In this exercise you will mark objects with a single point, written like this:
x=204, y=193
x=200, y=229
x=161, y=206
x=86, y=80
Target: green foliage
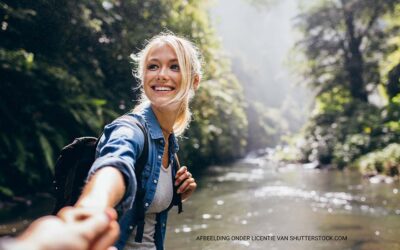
x=343, y=133
x=291, y=152
x=218, y=132
x=343, y=43
x=386, y=161
x=390, y=67
x=65, y=72
x=331, y=102
x=63, y=66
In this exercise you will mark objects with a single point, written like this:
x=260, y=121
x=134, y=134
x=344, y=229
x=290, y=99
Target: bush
x=385, y=161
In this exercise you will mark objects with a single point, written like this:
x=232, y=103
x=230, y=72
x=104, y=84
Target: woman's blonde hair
x=190, y=65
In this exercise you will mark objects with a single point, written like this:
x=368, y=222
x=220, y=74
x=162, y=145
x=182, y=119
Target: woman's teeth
x=162, y=88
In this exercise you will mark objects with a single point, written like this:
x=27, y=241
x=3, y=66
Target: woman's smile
x=163, y=89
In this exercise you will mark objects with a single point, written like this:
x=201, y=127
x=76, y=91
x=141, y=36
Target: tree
x=343, y=43
x=390, y=68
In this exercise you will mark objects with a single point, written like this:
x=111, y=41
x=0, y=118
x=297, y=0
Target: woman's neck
x=166, y=118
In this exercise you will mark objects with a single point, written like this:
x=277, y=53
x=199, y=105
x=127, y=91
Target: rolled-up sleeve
x=120, y=146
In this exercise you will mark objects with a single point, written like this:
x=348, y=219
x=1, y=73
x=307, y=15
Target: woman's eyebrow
x=154, y=59
x=157, y=60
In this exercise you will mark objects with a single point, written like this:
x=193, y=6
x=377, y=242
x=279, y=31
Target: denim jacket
x=120, y=146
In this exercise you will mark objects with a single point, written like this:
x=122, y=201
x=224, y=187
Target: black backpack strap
x=178, y=197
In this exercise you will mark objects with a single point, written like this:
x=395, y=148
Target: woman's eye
x=152, y=66
x=175, y=67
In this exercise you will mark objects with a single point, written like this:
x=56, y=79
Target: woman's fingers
x=112, y=214
x=98, y=228
x=181, y=171
x=93, y=227
x=187, y=188
x=68, y=214
x=186, y=183
x=73, y=214
x=181, y=176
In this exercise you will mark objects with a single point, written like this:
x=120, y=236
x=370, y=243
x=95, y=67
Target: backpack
x=75, y=160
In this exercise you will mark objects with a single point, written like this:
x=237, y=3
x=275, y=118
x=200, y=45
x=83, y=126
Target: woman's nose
x=163, y=73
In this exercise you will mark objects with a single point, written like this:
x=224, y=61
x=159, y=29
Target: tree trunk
x=393, y=85
x=354, y=63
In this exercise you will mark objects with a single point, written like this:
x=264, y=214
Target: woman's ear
x=196, y=82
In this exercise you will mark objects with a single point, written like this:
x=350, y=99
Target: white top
x=162, y=200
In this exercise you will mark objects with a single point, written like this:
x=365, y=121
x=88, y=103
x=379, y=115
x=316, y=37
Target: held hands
x=186, y=182
x=90, y=228
x=80, y=230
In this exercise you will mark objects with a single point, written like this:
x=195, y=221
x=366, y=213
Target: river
x=256, y=203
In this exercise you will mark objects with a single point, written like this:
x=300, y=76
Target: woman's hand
x=186, y=182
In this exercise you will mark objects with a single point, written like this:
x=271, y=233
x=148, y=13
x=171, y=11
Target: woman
x=169, y=70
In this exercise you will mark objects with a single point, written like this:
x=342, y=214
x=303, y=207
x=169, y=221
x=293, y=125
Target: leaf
x=6, y=191
x=97, y=102
x=21, y=155
x=47, y=151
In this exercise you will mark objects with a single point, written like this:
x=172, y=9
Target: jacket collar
x=154, y=127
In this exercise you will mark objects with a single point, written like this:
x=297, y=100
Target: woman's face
x=162, y=75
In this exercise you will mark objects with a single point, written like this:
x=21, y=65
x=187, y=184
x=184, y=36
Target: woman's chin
x=165, y=104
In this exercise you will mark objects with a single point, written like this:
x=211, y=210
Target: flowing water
x=254, y=204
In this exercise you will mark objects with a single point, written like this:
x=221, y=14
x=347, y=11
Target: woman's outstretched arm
x=112, y=179
x=104, y=189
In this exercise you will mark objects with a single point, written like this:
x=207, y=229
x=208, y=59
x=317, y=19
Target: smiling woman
x=162, y=77
x=171, y=64
x=169, y=72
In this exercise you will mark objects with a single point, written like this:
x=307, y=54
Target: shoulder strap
x=141, y=162
x=178, y=199
x=178, y=164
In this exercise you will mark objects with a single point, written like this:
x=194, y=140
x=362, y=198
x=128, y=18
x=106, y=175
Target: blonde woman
x=169, y=70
